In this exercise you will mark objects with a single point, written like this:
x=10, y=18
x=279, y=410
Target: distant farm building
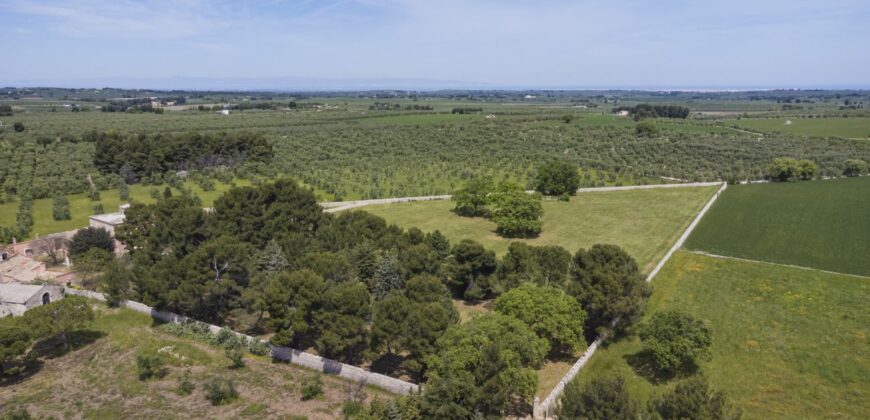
x=623, y=113
x=224, y=112
x=109, y=222
x=17, y=298
x=490, y=116
x=787, y=122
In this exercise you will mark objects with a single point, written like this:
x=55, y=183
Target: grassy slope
x=644, y=222
x=788, y=343
x=856, y=127
x=98, y=380
x=820, y=224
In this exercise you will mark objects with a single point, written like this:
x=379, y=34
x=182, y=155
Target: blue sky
x=462, y=43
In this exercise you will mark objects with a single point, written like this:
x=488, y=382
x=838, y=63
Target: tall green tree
x=473, y=198
x=493, y=357
x=549, y=312
x=342, y=321
x=557, y=177
x=291, y=300
x=517, y=214
x=91, y=237
x=607, y=283
x=675, y=339
x=471, y=269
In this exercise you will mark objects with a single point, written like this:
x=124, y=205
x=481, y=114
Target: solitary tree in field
x=806, y=169
x=60, y=208
x=557, y=178
x=646, y=129
x=675, y=339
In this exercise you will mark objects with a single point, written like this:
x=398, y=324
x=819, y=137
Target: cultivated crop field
x=643, y=222
x=819, y=224
x=787, y=343
x=857, y=127
x=98, y=379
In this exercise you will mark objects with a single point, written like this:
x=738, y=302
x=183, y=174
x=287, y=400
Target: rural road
x=336, y=206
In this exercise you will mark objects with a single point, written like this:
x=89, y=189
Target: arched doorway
x=46, y=298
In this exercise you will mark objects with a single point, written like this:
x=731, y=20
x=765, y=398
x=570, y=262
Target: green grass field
x=81, y=207
x=787, y=343
x=856, y=128
x=644, y=222
x=98, y=379
x=819, y=224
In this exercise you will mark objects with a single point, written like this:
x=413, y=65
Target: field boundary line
x=799, y=267
x=544, y=409
x=336, y=206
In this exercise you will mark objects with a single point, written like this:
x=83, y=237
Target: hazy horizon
x=393, y=44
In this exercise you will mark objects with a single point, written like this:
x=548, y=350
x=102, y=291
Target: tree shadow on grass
x=18, y=371
x=644, y=365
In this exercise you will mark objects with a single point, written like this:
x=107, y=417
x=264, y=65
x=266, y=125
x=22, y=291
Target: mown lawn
x=644, y=222
x=856, y=127
x=787, y=343
x=819, y=224
x=98, y=379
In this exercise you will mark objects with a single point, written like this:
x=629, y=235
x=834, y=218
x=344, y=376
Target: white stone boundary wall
x=545, y=409
x=336, y=206
x=286, y=354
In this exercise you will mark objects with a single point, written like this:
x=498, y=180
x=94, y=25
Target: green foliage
x=236, y=355
x=599, y=399
x=150, y=366
x=115, y=283
x=14, y=342
x=6, y=110
x=693, y=398
x=185, y=384
x=156, y=153
x=91, y=237
x=806, y=169
x=18, y=126
x=646, y=129
x=312, y=387
x=60, y=208
x=220, y=390
x=16, y=413
x=471, y=270
x=607, y=283
x=784, y=169
x=291, y=300
x=675, y=340
x=123, y=190
x=517, y=214
x=342, y=321
x=549, y=312
x=855, y=167
x=258, y=347
x=481, y=366
x=98, y=208
x=472, y=200
x=557, y=178
x=59, y=318
x=543, y=265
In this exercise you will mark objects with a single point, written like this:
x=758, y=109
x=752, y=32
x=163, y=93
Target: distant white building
x=109, y=222
x=18, y=298
x=622, y=113
x=787, y=122
x=224, y=112
x=490, y=116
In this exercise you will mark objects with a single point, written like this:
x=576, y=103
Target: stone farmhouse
x=17, y=298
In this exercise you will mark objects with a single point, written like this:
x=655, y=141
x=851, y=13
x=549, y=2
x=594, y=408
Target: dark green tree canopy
x=549, y=312
x=557, y=178
x=91, y=237
x=675, y=339
x=694, y=399
x=599, y=399
x=607, y=283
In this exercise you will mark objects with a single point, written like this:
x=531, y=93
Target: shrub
x=236, y=355
x=18, y=126
x=258, y=347
x=17, y=413
x=149, y=366
x=185, y=384
x=783, y=169
x=855, y=167
x=646, y=129
x=98, y=208
x=312, y=386
x=60, y=208
x=675, y=339
x=220, y=390
x=91, y=237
